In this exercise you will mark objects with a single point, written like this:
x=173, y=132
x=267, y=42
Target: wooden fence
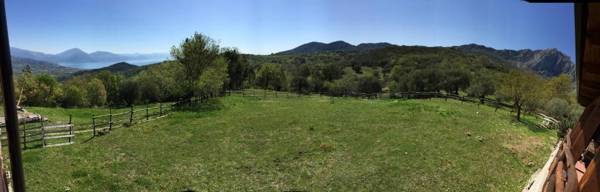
x=106, y=122
x=398, y=95
x=46, y=134
x=41, y=133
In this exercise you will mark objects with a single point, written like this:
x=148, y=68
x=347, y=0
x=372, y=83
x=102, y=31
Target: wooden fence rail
x=106, y=122
x=38, y=133
x=398, y=95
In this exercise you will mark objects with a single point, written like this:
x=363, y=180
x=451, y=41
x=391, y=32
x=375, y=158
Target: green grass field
x=302, y=144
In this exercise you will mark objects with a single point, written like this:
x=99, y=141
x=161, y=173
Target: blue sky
x=267, y=26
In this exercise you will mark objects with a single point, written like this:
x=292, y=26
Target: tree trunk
x=518, y=112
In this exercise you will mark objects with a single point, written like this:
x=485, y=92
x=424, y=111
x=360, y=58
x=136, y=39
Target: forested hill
x=547, y=62
x=39, y=67
x=385, y=57
x=121, y=68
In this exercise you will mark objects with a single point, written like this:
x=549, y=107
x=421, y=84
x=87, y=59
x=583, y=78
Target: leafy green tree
x=454, y=80
x=27, y=86
x=237, y=68
x=523, y=88
x=162, y=78
x=331, y=72
x=299, y=80
x=212, y=80
x=195, y=54
x=482, y=86
x=270, y=76
x=369, y=81
x=73, y=96
x=112, y=83
x=96, y=93
x=559, y=87
x=48, y=91
x=347, y=85
x=129, y=92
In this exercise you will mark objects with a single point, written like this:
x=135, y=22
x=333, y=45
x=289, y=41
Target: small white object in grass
x=405, y=153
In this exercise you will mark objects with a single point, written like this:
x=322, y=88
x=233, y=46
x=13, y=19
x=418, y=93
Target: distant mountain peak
x=548, y=62
x=73, y=50
x=315, y=47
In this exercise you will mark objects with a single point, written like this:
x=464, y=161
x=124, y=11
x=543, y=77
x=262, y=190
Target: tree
x=129, y=92
x=299, y=81
x=160, y=82
x=270, y=76
x=211, y=82
x=454, y=80
x=369, y=81
x=482, y=85
x=237, y=68
x=522, y=87
x=73, y=96
x=48, y=91
x=195, y=54
x=111, y=83
x=559, y=87
x=96, y=93
x=347, y=85
x=27, y=86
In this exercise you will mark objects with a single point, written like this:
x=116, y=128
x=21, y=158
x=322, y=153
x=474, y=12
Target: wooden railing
x=106, y=122
x=562, y=175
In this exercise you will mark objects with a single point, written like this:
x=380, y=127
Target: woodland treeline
x=201, y=68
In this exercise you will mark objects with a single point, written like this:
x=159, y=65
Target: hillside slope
x=39, y=67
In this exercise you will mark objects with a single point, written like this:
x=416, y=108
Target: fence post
x=70, y=127
x=43, y=131
x=160, y=108
x=146, y=111
x=131, y=115
x=110, y=121
x=94, y=126
x=109, y=118
x=24, y=135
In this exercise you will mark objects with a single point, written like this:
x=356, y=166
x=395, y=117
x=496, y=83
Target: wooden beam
x=559, y=182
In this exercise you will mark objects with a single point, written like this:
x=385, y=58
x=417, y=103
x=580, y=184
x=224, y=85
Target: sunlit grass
x=304, y=144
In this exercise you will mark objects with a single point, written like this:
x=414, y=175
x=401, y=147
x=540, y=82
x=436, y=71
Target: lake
x=95, y=65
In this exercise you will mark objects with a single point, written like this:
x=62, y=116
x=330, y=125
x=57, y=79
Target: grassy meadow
x=300, y=144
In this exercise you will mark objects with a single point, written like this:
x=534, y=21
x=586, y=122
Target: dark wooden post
x=70, y=127
x=146, y=111
x=131, y=115
x=24, y=135
x=43, y=131
x=160, y=108
x=110, y=120
x=93, y=126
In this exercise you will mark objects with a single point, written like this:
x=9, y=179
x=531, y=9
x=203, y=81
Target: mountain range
x=76, y=58
x=547, y=62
